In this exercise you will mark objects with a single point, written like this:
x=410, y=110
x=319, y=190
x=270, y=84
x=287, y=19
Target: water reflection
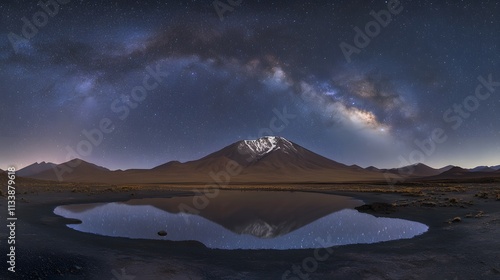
x=244, y=220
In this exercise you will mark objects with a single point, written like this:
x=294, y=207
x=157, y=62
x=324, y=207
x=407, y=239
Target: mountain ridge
x=268, y=159
x=35, y=168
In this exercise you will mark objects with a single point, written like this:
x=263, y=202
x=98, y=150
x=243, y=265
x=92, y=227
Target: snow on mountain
x=264, y=145
x=260, y=146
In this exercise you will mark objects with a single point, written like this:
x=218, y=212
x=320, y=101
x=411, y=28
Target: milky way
x=176, y=81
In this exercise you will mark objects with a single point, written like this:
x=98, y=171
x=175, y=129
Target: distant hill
x=455, y=171
x=458, y=173
x=482, y=169
x=446, y=168
x=35, y=168
x=357, y=167
x=485, y=168
x=373, y=169
x=415, y=170
x=75, y=170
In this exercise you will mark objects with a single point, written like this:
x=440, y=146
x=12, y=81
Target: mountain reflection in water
x=243, y=220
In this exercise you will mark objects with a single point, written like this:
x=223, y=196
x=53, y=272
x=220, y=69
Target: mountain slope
x=266, y=152
x=446, y=168
x=75, y=170
x=275, y=159
x=455, y=171
x=35, y=168
x=458, y=173
x=415, y=170
x=484, y=168
x=373, y=168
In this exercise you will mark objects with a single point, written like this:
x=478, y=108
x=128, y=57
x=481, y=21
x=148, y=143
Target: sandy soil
x=469, y=249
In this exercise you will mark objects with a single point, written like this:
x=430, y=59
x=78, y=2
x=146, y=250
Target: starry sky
x=177, y=80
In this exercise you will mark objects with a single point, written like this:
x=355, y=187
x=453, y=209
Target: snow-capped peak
x=264, y=145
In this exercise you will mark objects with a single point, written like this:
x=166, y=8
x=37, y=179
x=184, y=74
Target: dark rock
x=162, y=233
x=482, y=195
x=377, y=207
x=429, y=204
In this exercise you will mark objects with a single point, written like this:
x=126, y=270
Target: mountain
x=446, y=168
x=357, y=167
x=482, y=169
x=75, y=170
x=485, y=168
x=415, y=170
x=373, y=169
x=458, y=173
x=455, y=171
x=265, y=160
x=170, y=164
x=269, y=152
x=35, y=168
x=23, y=181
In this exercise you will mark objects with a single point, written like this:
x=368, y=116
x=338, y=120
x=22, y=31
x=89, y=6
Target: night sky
x=174, y=80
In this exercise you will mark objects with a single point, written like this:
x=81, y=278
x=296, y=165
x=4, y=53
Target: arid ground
x=466, y=248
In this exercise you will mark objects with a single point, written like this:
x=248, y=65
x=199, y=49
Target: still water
x=242, y=220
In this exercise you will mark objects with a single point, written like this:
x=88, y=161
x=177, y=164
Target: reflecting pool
x=242, y=220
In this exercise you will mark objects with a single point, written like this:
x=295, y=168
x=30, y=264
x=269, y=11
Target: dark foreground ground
x=469, y=249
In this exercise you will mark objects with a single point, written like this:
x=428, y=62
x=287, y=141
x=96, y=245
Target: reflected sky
x=259, y=226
